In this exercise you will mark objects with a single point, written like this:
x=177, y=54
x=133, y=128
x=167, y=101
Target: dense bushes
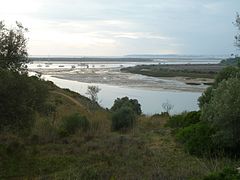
x=20, y=97
x=126, y=102
x=216, y=127
x=231, y=61
x=124, y=118
x=125, y=111
x=194, y=135
x=196, y=138
x=225, y=174
x=71, y=124
x=224, y=74
x=183, y=120
x=223, y=113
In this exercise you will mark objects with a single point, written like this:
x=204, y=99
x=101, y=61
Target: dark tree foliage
x=226, y=174
x=196, y=138
x=237, y=37
x=13, y=52
x=71, y=124
x=126, y=102
x=183, y=120
x=231, y=61
x=223, y=113
x=224, y=74
x=205, y=97
x=122, y=119
x=20, y=97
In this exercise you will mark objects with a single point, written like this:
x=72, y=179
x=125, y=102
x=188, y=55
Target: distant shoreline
x=191, y=71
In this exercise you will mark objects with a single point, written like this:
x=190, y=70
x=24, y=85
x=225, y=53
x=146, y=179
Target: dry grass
x=148, y=151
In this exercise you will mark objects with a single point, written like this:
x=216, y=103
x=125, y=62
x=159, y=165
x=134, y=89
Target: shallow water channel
x=151, y=100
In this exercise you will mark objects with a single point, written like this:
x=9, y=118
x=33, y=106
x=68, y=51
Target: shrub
x=196, y=138
x=225, y=74
x=183, y=120
x=20, y=96
x=72, y=124
x=126, y=102
x=192, y=117
x=223, y=113
x=123, y=118
x=175, y=121
x=226, y=174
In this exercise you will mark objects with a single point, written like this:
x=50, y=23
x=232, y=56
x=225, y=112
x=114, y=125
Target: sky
x=122, y=27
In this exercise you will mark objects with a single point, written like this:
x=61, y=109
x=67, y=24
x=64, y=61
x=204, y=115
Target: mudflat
x=117, y=77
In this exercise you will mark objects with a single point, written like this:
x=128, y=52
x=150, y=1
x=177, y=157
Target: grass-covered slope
x=72, y=138
x=147, y=152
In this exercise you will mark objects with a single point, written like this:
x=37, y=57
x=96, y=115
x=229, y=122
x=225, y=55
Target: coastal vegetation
x=182, y=70
x=51, y=133
x=72, y=137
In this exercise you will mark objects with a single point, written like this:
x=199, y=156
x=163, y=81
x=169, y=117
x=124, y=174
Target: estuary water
x=149, y=91
x=151, y=100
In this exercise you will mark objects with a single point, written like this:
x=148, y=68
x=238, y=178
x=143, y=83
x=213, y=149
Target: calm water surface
x=150, y=100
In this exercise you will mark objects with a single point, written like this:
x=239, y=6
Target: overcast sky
x=120, y=27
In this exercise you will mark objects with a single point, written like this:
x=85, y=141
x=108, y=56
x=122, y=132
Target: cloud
x=121, y=27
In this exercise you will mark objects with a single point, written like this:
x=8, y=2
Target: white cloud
x=108, y=27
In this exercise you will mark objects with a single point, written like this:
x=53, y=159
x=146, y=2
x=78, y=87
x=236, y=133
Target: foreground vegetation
x=72, y=137
x=52, y=133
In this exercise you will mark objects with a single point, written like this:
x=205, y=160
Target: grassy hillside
x=148, y=151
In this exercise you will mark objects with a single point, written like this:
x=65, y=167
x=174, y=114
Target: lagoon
x=150, y=100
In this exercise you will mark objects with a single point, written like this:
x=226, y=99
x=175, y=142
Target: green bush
x=196, y=138
x=21, y=96
x=226, y=174
x=192, y=117
x=183, y=120
x=124, y=118
x=175, y=121
x=225, y=74
x=72, y=124
x=126, y=102
x=223, y=113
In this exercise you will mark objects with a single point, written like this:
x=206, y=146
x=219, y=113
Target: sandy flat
x=113, y=76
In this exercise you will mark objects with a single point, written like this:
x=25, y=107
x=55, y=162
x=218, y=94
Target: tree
x=123, y=118
x=167, y=107
x=237, y=37
x=93, y=91
x=13, y=51
x=71, y=124
x=224, y=74
x=126, y=102
x=223, y=113
x=20, y=97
